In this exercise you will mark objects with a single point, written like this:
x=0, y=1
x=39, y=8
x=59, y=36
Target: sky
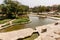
x=33, y=3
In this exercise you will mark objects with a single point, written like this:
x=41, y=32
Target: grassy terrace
x=5, y=20
x=17, y=25
x=21, y=20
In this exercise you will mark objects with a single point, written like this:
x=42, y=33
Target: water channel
x=35, y=22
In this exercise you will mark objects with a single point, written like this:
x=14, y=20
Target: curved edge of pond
x=15, y=24
x=23, y=23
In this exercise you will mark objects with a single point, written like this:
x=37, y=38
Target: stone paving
x=49, y=32
x=46, y=32
x=17, y=34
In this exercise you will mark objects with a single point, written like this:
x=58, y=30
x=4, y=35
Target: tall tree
x=14, y=8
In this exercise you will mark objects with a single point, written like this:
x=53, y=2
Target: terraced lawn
x=5, y=20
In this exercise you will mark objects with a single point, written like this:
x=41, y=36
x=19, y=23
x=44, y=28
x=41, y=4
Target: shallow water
x=36, y=21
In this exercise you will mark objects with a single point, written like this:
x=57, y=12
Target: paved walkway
x=2, y=26
x=46, y=32
x=16, y=34
x=49, y=32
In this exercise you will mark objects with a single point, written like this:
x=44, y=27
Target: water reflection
x=38, y=21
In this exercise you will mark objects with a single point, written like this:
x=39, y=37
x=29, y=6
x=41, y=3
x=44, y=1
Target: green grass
x=17, y=25
x=21, y=20
x=34, y=36
x=5, y=20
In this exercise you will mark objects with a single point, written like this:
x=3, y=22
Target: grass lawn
x=17, y=26
x=21, y=20
x=5, y=20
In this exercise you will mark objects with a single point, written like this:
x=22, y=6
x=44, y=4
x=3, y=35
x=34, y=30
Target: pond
x=35, y=22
